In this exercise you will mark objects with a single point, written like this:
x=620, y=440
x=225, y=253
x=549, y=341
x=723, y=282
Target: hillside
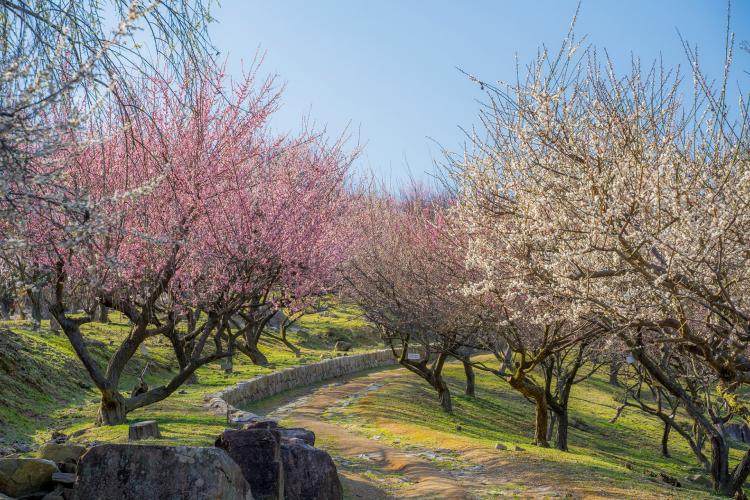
x=43, y=386
x=387, y=412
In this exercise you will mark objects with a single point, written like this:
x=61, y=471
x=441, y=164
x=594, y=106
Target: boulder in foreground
x=309, y=473
x=61, y=452
x=258, y=453
x=23, y=476
x=140, y=472
x=282, y=463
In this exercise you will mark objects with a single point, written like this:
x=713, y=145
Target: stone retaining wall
x=263, y=386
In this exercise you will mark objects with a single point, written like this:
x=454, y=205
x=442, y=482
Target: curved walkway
x=371, y=468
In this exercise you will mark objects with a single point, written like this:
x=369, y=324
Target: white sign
x=413, y=356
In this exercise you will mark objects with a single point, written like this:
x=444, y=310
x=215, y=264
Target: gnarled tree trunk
x=470, y=377
x=665, y=440
x=561, y=439
x=112, y=409
x=35, y=299
x=614, y=371
x=537, y=394
x=724, y=482
x=255, y=354
x=444, y=394
x=180, y=350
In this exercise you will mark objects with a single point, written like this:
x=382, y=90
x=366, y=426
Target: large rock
x=258, y=453
x=277, y=319
x=298, y=433
x=309, y=473
x=262, y=423
x=23, y=476
x=140, y=472
x=61, y=452
x=342, y=346
x=737, y=432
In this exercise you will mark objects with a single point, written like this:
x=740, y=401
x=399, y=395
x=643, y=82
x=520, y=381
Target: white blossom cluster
x=594, y=195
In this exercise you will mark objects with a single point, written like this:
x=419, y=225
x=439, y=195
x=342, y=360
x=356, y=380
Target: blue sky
x=387, y=68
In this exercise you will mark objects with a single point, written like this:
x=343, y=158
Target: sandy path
x=371, y=468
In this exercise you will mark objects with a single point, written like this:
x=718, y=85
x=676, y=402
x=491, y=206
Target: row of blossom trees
x=593, y=212
x=208, y=224
x=160, y=193
x=627, y=204
x=410, y=276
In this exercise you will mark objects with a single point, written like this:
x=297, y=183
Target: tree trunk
x=551, y=426
x=739, y=475
x=54, y=326
x=251, y=336
x=665, y=440
x=469, y=371
x=6, y=306
x=507, y=359
x=540, y=430
x=292, y=347
x=444, y=394
x=112, y=409
x=101, y=313
x=35, y=298
x=433, y=376
x=719, y=449
x=20, y=307
x=192, y=319
x=537, y=394
x=614, y=371
x=561, y=440
x=720, y=465
x=257, y=357
x=178, y=346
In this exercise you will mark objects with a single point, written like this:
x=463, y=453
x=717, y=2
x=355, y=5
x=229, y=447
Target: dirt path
x=373, y=469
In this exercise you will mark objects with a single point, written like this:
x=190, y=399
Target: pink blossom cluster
x=202, y=201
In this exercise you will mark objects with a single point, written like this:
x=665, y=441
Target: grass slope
x=43, y=386
x=624, y=456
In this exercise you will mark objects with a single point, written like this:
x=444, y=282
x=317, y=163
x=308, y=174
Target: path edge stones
x=226, y=401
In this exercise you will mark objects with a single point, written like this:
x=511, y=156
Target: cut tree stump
x=144, y=430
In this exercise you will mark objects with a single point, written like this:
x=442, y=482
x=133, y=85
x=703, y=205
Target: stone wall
x=263, y=386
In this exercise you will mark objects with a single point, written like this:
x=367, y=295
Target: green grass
x=340, y=322
x=43, y=386
x=405, y=413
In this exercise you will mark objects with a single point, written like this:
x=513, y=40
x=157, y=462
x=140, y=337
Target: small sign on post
x=413, y=356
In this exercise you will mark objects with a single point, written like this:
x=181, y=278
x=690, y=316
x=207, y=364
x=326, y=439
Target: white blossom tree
x=627, y=201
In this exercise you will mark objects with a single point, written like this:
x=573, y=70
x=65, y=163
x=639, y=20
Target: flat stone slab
x=64, y=477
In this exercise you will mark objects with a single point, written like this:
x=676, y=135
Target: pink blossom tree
x=203, y=211
x=407, y=275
